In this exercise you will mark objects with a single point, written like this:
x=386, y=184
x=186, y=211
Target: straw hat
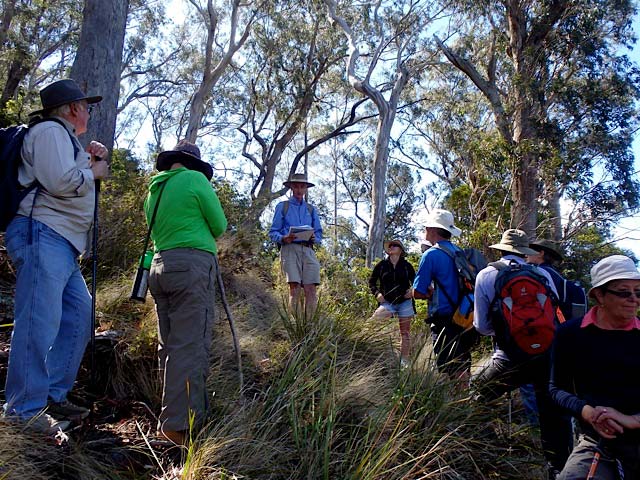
x=395, y=240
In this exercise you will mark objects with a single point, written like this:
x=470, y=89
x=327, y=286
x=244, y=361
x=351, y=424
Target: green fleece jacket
x=189, y=214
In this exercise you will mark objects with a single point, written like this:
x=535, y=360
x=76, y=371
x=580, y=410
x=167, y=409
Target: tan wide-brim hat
x=440, y=218
x=298, y=178
x=386, y=245
x=514, y=241
x=615, y=267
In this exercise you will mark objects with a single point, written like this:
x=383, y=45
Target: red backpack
x=524, y=310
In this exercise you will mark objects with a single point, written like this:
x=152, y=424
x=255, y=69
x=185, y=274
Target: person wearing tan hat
x=390, y=282
x=595, y=365
x=437, y=281
x=44, y=241
x=296, y=229
x=502, y=374
x=187, y=221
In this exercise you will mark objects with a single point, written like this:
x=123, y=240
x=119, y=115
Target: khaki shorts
x=299, y=264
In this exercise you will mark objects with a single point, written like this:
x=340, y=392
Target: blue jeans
x=52, y=322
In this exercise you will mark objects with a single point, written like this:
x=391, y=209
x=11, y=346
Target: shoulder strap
x=442, y=248
x=285, y=209
x=61, y=123
x=153, y=219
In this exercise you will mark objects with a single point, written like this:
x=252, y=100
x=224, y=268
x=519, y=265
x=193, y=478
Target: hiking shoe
x=42, y=423
x=67, y=410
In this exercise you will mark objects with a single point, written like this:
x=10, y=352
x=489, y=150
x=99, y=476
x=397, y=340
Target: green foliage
x=122, y=225
x=234, y=204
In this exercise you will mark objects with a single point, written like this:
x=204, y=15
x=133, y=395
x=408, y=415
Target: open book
x=303, y=232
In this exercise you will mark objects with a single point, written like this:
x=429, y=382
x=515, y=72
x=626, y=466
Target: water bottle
x=141, y=282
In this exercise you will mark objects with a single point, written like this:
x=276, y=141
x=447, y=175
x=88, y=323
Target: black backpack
x=11, y=193
x=572, y=298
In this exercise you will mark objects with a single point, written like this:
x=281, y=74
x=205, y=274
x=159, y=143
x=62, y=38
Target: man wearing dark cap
x=503, y=374
x=44, y=241
x=297, y=257
x=571, y=296
x=187, y=221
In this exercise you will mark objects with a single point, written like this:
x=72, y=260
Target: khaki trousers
x=182, y=283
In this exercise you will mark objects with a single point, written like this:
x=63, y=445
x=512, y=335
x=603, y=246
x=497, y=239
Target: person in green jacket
x=182, y=278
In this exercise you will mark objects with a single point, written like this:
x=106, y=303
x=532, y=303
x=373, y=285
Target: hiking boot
x=42, y=423
x=67, y=410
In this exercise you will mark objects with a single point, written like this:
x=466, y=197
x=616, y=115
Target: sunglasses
x=394, y=245
x=89, y=109
x=624, y=293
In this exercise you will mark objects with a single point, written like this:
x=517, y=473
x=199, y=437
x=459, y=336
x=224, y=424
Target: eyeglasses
x=394, y=245
x=624, y=293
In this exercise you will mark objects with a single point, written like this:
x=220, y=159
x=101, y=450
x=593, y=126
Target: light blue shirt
x=297, y=216
x=485, y=293
x=436, y=266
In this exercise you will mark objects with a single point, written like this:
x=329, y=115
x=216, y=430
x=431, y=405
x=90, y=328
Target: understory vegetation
x=322, y=398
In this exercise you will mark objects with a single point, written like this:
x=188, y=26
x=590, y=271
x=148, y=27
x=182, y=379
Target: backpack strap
x=437, y=282
x=285, y=209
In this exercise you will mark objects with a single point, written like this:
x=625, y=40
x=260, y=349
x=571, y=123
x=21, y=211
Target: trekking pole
x=594, y=466
x=236, y=343
x=94, y=284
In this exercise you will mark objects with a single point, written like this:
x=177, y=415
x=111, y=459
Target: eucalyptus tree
x=32, y=34
x=288, y=100
x=562, y=95
x=227, y=26
x=386, y=51
x=98, y=61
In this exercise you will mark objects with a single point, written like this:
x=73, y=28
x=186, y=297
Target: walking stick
x=94, y=283
x=236, y=344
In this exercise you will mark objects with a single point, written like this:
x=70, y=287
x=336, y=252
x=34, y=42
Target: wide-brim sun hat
x=395, y=240
x=548, y=246
x=186, y=153
x=298, y=178
x=440, y=218
x=614, y=267
x=514, y=241
x=61, y=93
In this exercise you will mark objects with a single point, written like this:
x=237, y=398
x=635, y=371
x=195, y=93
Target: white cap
x=615, y=267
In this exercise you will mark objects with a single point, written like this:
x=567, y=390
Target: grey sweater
x=66, y=200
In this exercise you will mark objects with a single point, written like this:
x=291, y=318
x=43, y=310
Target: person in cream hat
x=595, y=373
x=443, y=219
x=437, y=281
x=296, y=229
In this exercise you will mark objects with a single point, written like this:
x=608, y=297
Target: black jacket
x=392, y=282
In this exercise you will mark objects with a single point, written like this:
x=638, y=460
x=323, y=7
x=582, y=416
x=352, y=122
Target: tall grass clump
x=338, y=406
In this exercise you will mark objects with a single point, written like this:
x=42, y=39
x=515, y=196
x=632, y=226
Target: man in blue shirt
x=437, y=281
x=298, y=260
